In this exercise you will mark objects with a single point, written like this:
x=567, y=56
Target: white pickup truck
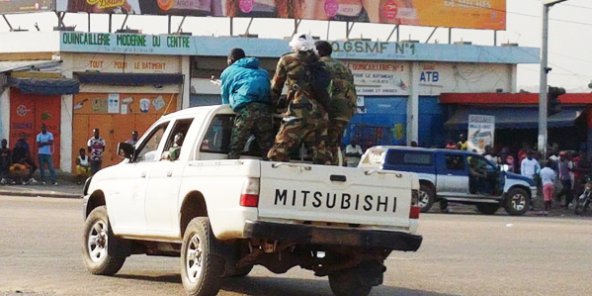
x=223, y=216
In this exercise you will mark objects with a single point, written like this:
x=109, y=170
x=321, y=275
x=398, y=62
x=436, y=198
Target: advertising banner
x=480, y=132
x=468, y=14
x=26, y=6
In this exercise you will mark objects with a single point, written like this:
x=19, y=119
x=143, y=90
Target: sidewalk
x=66, y=189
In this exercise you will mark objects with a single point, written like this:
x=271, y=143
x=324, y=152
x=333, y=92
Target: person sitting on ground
x=82, y=166
x=23, y=166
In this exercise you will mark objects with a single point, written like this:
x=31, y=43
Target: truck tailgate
x=305, y=192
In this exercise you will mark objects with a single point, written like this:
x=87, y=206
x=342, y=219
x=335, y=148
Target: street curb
x=41, y=194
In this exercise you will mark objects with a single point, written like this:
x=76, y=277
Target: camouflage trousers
x=335, y=135
x=255, y=119
x=307, y=121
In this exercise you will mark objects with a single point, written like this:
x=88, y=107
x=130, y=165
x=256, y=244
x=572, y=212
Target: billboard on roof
x=26, y=6
x=468, y=14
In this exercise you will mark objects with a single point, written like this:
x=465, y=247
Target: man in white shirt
x=548, y=177
x=529, y=166
x=353, y=152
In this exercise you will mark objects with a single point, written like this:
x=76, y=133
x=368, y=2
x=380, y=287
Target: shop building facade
x=126, y=81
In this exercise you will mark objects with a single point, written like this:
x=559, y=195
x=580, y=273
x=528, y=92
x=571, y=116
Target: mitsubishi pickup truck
x=445, y=175
x=223, y=216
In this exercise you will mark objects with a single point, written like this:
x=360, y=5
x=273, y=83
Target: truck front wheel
x=103, y=253
x=517, y=202
x=201, y=270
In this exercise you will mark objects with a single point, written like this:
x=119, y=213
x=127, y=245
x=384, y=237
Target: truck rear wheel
x=426, y=197
x=517, y=202
x=201, y=270
x=100, y=246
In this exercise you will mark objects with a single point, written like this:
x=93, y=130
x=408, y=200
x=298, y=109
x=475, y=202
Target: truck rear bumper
x=306, y=234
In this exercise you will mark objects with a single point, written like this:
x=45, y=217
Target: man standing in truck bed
x=343, y=98
x=306, y=118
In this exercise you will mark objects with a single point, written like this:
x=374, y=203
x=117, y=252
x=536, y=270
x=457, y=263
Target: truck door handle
x=169, y=174
x=338, y=178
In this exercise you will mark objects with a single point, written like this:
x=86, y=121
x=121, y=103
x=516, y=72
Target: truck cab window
x=217, y=137
x=148, y=148
x=172, y=148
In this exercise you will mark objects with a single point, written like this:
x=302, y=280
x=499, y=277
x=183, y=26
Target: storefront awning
x=47, y=87
x=128, y=79
x=7, y=66
x=513, y=117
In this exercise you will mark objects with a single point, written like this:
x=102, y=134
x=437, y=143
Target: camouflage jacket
x=291, y=70
x=343, y=99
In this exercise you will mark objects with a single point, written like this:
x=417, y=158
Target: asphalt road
x=462, y=254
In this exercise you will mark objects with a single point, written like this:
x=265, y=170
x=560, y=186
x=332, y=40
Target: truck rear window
x=409, y=158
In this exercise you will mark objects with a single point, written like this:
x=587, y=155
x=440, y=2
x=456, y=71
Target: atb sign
x=480, y=132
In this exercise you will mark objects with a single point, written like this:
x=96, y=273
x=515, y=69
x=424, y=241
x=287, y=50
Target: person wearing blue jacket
x=246, y=88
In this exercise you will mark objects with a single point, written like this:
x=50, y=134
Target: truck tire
x=346, y=283
x=426, y=197
x=201, y=270
x=517, y=202
x=100, y=245
x=487, y=208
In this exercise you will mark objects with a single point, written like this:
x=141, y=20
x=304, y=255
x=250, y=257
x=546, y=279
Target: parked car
x=446, y=174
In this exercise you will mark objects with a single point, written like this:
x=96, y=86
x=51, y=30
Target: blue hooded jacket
x=245, y=82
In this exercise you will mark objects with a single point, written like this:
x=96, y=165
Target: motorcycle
x=583, y=201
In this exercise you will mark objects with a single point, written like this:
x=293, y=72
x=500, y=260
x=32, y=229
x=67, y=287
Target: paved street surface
x=462, y=254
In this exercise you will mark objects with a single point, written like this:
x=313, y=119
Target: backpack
x=320, y=81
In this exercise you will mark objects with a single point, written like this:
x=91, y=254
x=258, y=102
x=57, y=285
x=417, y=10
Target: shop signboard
x=481, y=132
x=380, y=79
x=468, y=14
x=26, y=6
x=119, y=63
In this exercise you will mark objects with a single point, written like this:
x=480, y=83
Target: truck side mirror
x=126, y=150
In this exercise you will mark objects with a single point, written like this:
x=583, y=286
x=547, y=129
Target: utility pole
x=543, y=133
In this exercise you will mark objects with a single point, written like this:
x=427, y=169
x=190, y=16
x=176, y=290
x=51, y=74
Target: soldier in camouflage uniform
x=245, y=86
x=343, y=98
x=305, y=118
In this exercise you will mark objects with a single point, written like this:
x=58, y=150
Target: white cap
x=302, y=42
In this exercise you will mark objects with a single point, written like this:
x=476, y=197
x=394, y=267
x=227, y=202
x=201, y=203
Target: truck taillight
x=415, y=208
x=250, y=193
